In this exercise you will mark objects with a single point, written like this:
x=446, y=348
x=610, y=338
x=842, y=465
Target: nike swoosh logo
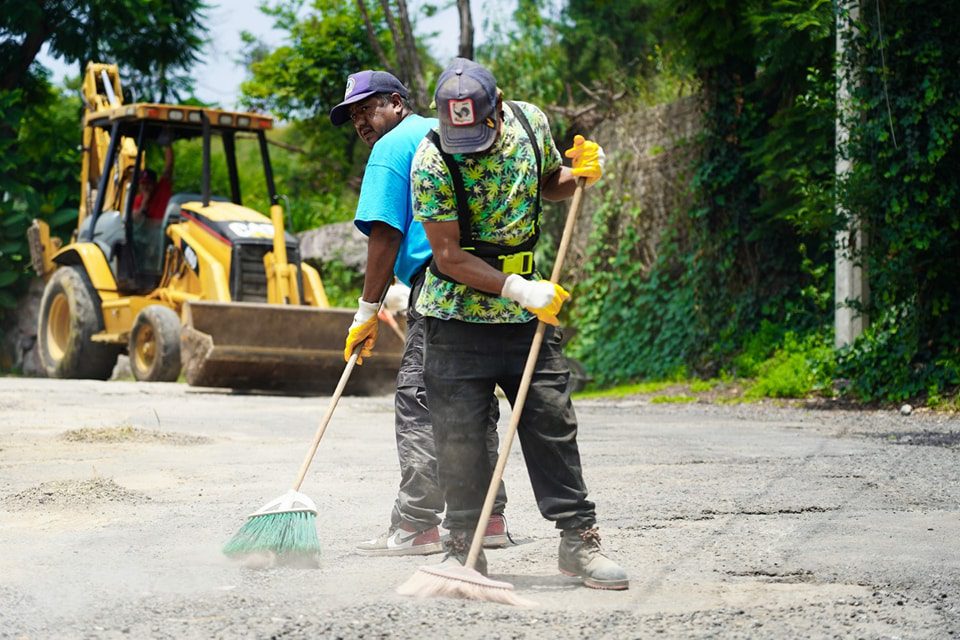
x=398, y=539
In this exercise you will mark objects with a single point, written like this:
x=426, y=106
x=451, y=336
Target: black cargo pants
x=463, y=362
x=419, y=500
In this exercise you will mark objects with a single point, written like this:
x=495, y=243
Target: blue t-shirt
x=385, y=193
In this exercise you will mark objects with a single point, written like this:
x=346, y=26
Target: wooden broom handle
x=322, y=428
x=525, y=381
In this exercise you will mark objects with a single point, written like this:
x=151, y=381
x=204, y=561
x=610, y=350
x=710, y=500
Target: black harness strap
x=536, y=152
x=488, y=251
x=459, y=192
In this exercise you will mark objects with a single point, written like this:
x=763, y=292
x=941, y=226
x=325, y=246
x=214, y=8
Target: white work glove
x=541, y=297
x=397, y=298
x=363, y=329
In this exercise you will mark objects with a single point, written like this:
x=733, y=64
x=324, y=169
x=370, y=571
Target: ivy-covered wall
x=742, y=268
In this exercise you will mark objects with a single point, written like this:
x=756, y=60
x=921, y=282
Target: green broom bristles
x=288, y=538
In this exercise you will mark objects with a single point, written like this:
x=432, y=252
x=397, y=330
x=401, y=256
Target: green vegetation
x=737, y=300
x=39, y=160
x=621, y=391
x=343, y=284
x=155, y=44
x=748, y=269
x=700, y=386
x=672, y=399
x=306, y=205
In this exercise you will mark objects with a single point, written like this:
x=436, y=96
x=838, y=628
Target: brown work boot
x=580, y=555
x=457, y=546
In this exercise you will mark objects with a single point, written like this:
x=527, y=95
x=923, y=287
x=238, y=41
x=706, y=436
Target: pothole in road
x=131, y=434
x=73, y=493
x=771, y=512
x=800, y=575
x=946, y=439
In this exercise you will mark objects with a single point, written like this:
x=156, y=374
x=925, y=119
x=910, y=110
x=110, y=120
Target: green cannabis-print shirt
x=501, y=188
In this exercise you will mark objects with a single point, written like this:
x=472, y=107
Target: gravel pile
x=131, y=434
x=73, y=493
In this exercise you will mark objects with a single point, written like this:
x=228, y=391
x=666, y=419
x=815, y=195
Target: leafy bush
x=757, y=349
x=796, y=369
x=39, y=177
x=342, y=283
x=889, y=362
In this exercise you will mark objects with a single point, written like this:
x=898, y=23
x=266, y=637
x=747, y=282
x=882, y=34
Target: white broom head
x=290, y=502
x=451, y=580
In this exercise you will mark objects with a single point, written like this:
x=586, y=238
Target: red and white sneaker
x=496, y=534
x=403, y=541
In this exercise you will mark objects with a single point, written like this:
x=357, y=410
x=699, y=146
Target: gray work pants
x=420, y=500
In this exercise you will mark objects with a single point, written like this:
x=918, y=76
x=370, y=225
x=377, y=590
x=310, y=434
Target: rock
x=340, y=241
x=122, y=371
x=19, y=332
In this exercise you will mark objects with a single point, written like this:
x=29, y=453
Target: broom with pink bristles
x=446, y=581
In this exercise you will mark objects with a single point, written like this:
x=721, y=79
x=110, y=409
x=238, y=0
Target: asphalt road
x=734, y=521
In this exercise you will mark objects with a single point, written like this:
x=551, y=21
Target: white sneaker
x=403, y=542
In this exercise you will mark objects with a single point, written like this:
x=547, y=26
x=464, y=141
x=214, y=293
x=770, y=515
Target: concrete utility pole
x=850, y=284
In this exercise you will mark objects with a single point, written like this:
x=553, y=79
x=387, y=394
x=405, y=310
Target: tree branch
x=466, y=29
x=418, y=86
x=372, y=37
x=27, y=53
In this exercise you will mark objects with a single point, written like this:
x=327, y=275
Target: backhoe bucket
x=294, y=349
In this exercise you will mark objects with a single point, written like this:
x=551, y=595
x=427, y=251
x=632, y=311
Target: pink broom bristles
x=446, y=581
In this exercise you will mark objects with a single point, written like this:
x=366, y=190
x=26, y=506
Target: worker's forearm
x=382, y=248
x=470, y=270
x=560, y=185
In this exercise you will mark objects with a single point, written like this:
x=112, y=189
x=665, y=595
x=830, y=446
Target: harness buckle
x=520, y=263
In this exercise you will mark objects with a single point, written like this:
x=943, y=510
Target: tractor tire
x=155, y=345
x=69, y=316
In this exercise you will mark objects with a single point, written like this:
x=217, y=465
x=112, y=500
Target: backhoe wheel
x=155, y=345
x=69, y=315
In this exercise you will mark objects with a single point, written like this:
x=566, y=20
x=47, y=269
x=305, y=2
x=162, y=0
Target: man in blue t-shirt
x=377, y=104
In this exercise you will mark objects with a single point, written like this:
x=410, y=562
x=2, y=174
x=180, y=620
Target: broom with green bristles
x=284, y=531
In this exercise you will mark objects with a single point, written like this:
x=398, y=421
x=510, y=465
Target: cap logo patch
x=461, y=112
x=351, y=83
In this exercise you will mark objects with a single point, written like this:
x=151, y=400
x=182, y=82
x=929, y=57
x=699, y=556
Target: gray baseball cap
x=466, y=100
x=361, y=86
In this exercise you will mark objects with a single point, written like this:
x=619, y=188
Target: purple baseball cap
x=361, y=86
x=466, y=99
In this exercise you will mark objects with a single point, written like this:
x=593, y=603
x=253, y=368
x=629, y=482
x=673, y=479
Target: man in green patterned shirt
x=477, y=185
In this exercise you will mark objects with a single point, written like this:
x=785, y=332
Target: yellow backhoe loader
x=212, y=288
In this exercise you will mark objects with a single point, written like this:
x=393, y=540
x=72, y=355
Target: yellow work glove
x=541, y=297
x=588, y=159
x=364, y=329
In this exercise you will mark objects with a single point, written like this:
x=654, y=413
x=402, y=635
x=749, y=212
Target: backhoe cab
x=207, y=285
